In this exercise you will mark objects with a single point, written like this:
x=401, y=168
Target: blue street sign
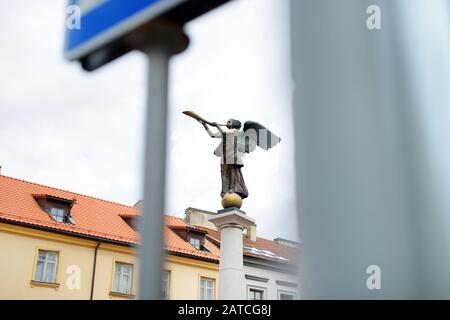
x=103, y=23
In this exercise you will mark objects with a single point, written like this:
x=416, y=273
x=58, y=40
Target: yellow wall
x=18, y=254
x=185, y=277
x=106, y=258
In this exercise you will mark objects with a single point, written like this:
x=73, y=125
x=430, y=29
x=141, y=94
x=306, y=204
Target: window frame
x=64, y=214
x=257, y=288
x=169, y=280
x=199, y=242
x=291, y=293
x=214, y=281
x=39, y=282
x=113, y=277
x=66, y=208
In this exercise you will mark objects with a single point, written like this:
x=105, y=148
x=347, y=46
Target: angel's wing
x=255, y=134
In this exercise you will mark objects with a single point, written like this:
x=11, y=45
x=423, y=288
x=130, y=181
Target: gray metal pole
x=160, y=43
x=155, y=168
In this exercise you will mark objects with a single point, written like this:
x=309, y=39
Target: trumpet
x=194, y=115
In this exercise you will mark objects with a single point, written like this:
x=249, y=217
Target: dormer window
x=195, y=237
x=196, y=242
x=60, y=214
x=131, y=221
x=57, y=208
x=57, y=214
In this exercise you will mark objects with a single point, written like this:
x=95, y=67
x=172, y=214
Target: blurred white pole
x=160, y=42
x=366, y=188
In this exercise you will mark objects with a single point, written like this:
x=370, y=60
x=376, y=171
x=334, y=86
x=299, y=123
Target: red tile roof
x=105, y=220
x=261, y=248
x=176, y=245
x=93, y=217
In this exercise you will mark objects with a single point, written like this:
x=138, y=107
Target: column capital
x=232, y=217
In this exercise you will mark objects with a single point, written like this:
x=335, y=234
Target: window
x=60, y=214
x=46, y=266
x=196, y=242
x=255, y=294
x=207, y=289
x=284, y=295
x=57, y=214
x=122, y=278
x=166, y=284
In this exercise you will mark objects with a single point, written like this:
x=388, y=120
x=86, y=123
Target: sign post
x=109, y=29
x=168, y=39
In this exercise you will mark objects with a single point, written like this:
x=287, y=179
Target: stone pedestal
x=231, y=222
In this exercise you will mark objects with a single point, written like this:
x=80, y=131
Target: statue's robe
x=231, y=150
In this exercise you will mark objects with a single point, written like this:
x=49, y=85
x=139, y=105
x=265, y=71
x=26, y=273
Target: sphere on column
x=231, y=199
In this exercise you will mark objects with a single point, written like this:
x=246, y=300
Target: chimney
x=0, y=170
x=251, y=233
x=139, y=205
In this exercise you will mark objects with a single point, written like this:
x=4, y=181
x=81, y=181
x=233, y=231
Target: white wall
x=270, y=287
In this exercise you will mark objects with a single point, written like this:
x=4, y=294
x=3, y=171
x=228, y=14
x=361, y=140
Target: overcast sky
x=83, y=132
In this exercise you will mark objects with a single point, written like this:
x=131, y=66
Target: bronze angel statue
x=233, y=146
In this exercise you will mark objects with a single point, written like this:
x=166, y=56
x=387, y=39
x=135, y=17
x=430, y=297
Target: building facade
x=56, y=244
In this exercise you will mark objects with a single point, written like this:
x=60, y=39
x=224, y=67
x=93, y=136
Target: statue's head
x=233, y=124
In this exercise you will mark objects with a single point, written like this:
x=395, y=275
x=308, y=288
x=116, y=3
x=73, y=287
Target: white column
x=231, y=222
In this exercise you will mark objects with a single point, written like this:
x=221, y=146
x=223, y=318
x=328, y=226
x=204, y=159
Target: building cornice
x=269, y=265
x=51, y=235
x=196, y=262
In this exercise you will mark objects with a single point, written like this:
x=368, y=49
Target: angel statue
x=233, y=146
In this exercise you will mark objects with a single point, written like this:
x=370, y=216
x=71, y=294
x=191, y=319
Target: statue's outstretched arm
x=212, y=134
x=218, y=128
